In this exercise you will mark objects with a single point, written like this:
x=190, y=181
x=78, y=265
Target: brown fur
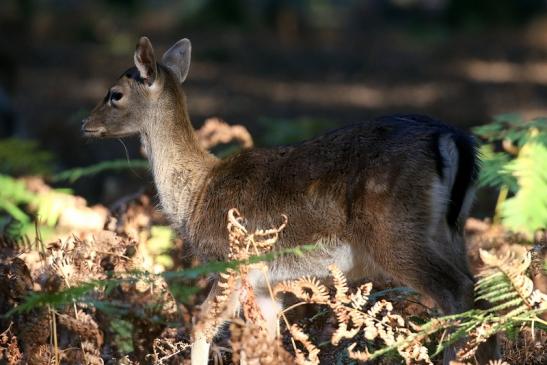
x=373, y=196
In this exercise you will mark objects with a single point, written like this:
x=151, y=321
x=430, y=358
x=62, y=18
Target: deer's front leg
x=221, y=304
x=200, y=349
x=270, y=309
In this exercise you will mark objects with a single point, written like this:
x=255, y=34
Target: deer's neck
x=178, y=162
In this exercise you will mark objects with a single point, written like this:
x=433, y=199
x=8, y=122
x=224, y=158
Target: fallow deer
x=386, y=196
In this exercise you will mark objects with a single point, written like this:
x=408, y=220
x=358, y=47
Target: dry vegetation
x=102, y=293
x=83, y=332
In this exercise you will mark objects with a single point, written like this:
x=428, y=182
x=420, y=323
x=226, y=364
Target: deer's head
x=134, y=100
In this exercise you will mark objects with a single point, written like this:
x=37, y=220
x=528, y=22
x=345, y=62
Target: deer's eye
x=115, y=96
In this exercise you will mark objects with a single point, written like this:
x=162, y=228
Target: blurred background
x=286, y=70
x=75, y=212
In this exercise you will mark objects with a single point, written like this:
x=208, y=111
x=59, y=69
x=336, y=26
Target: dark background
x=269, y=65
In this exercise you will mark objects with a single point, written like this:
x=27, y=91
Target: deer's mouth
x=90, y=130
x=93, y=132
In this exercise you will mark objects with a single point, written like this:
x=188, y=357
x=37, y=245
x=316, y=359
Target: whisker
x=128, y=160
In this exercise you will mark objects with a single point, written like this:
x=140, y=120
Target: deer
x=387, y=197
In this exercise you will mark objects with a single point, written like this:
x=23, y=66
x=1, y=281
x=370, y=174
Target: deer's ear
x=145, y=60
x=177, y=59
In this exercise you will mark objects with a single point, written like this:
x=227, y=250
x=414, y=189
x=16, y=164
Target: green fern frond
x=515, y=303
x=504, y=305
x=493, y=286
x=527, y=210
x=493, y=172
x=115, y=165
x=494, y=279
x=497, y=295
x=24, y=157
x=514, y=128
x=14, y=193
x=507, y=269
x=520, y=170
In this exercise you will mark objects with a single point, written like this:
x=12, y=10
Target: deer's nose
x=92, y=128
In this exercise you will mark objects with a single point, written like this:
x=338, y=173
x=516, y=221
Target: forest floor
x=149, y=321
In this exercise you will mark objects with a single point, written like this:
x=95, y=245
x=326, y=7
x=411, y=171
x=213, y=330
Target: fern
x=505, y=284
x=115, y=165
x=493, y=173
x=23, y=157
x=518, y=170
x=527, y=210
x=80, y=292
x=514, y=128
x=515, y=303
x=13, y=193
x=159, y=244
x=14, y=196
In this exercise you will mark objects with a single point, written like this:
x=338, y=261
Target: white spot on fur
x=376, y=185
x=341, y=256
x=270, y=309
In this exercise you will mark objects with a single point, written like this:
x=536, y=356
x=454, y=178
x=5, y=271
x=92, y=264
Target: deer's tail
x=460, y=167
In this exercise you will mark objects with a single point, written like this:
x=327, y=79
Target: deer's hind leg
x=420, y=266
x=417, y=264
x=455, y=249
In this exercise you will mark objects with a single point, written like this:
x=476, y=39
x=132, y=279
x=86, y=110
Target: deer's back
x=354, y=183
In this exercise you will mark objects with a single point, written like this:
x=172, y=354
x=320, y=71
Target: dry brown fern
x=515, y=302
x=215, y=131
x=164, y=349
x=10, y=353
x=242, y=245
x=250, y=345
x=249, y=338
x=378, y=322
x=312, y=356
x=514, y=270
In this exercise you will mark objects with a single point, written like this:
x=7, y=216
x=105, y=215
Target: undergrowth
x=514, y=160
x=94, y=293
x=117, y=287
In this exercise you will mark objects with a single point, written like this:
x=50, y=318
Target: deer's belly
x=315, y=263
